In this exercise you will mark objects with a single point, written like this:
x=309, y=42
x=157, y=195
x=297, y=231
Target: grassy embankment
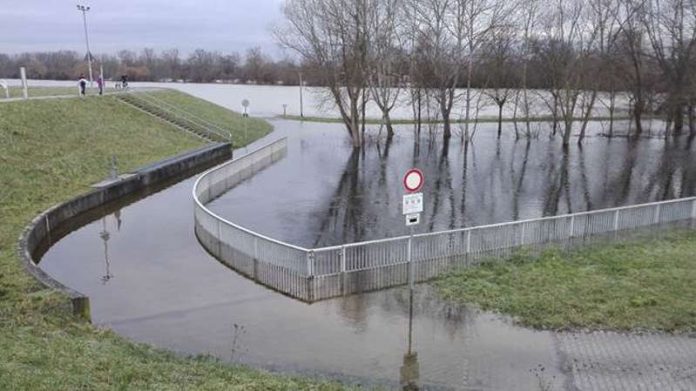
x=51, y=150
x=644, y=284
x=217, y=115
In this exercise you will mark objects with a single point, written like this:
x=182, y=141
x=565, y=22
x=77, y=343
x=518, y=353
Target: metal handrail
x=184, y=117
x=229, y=223
x=310, y=252
x=189, y=116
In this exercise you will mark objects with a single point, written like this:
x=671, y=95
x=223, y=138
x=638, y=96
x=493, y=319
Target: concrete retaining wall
x=39, y=230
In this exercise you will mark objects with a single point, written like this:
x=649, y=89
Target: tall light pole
x=84, y=10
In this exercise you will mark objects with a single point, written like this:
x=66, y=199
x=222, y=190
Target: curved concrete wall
x=40, y=229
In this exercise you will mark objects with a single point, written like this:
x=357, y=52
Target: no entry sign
x=413, y=180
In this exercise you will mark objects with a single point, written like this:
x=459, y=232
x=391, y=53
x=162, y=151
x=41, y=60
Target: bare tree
x=497, y=60
x=670, y=26
x=333, y=36
x=383, y=61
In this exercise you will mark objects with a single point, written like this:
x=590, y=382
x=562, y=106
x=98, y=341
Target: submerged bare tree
x=385, y=53
x=332, y=35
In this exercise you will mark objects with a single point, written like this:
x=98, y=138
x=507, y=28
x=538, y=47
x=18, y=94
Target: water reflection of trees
x=493, y=181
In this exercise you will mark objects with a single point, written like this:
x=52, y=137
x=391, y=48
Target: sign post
x=412, y=207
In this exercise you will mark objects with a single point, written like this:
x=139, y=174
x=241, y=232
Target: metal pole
x=410, y=260
x=301, y=100
x=84, y=10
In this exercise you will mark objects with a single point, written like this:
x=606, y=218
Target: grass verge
x=51, y=150
x=639, y=284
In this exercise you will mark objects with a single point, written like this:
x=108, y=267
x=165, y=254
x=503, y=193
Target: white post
x=521, y=234
x=572, y=227
x=657, y=214
x=25, y=89
x=616, y=220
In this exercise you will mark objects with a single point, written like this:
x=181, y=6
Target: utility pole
x=301, y=103
x=84, y=10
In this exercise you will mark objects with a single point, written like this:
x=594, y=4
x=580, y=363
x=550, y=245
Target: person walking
x=100, y=84
x=124, y=81
x=82, y=82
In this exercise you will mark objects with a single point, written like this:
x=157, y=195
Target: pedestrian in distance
x=82, y=82
x=100, y=84
x=124, y=81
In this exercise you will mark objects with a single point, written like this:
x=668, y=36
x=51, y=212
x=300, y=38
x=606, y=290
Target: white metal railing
x=313, y=274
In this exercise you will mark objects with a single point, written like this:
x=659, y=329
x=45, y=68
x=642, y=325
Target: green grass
x=244, y=130
x=640, y=284
x=51, y=150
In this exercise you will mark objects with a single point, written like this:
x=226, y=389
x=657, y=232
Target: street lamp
x=84, y=10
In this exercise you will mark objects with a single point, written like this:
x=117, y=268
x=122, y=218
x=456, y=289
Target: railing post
x=523, y=225
x=343, y=270
x=256, y=258
x=616, y=220
x=693, y=212
x=468, y=246
x=571, y=230
x=310, y=291
x=656, y=218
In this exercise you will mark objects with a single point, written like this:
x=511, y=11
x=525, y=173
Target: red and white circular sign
x=413, y=180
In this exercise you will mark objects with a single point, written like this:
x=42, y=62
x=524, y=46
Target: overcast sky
x=224, y=25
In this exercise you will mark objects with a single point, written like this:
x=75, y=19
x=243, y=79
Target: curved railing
x=315, y=274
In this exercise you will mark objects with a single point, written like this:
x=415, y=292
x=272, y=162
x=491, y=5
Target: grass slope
x=642, y=284
x=244, y=130
x=51, y=150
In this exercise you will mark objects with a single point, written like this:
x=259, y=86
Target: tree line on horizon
x=200, y=66
x=584, y=53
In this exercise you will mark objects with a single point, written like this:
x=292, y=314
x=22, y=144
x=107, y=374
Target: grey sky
x=231, y=25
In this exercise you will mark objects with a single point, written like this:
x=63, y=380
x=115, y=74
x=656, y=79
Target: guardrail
x=320, y=273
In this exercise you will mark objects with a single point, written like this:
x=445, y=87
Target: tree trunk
x=586, y=117
x=447, y=127
x=678, y=119
x=638, y=116
x=692, y=119
x=500, y=118
x=388, y=123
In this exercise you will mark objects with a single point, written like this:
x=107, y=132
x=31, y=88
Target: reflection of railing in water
x=315, y=274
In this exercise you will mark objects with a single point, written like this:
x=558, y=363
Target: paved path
x=616, y=361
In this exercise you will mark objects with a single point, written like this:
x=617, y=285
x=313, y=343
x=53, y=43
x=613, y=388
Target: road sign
x=413, y=180
x=245, y=102
x=412, y=219
x=412, y=203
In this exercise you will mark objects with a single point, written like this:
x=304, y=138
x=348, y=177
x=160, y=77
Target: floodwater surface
x=327, y=193
x=150, y=280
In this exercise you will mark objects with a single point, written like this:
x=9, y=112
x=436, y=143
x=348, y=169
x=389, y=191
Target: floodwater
x=268, y=101
x=150, y=280
x=157, y=285
x=325, y=193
